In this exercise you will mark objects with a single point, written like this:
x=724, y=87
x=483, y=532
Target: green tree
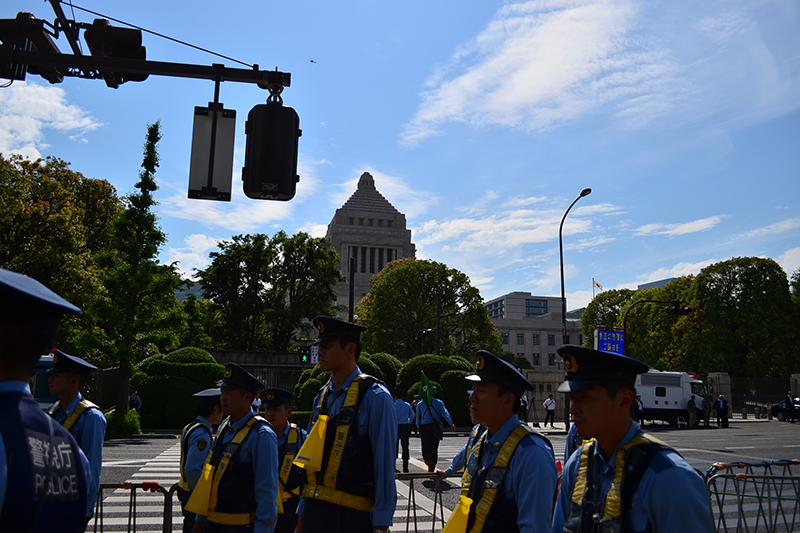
x=53, y=222
x=605, y=310
x=402, y=302
x=742, y=320
x=138, y=307
x=267, y=287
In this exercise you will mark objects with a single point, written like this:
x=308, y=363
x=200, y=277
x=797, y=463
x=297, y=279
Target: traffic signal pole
x=91, y=66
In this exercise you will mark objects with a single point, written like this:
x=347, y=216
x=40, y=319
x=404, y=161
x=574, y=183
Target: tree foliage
x=743, y=320
x=266, y=287
x=605, y=310
x=402, y=302
x=138, y=307
x=53, y=222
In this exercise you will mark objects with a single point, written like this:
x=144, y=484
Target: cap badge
x=570, y=364
x=479, y=364
x=321, y=327
x=228, y=372
x=270, y=396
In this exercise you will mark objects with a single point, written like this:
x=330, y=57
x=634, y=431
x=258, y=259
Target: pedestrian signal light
x=270, y=160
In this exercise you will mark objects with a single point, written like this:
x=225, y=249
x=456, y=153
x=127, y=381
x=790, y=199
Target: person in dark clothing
x=790, y=410
x=721, y=407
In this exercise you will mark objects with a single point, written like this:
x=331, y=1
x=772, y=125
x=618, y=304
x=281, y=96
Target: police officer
x=511, y=471
x=277, y=410
x=79, y=416
x=245, y=461
x=32, y=445
x=427, y=416
x=196, y=439
x=460, y=460
x=355, y=490
x=659, y=490
x=405, y=419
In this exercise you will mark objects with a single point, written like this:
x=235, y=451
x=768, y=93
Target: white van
x=665, y=394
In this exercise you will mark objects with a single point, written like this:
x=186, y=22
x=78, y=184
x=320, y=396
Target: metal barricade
x=412, y=500
x=133, y=511
x=760, y=497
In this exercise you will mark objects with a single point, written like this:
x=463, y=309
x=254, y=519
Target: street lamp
x=419, y=338
x=585, y=192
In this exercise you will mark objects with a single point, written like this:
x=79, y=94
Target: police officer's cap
x=332, y=328
x=208, y=393
x=237, y=377
x=491, y=369
x=276, y=397
x=70, y=363
x=26, y=300
x=584, y=368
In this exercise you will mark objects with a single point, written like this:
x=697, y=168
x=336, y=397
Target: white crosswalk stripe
x=165, y=469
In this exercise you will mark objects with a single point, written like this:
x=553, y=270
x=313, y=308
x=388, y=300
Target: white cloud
x=675, y=271
x=695, y=226
x=194, y=255
x=772, y=229
x=790, y=261
x=313, y=229
x=27, y=110
x=541, y=63
x=409, y=201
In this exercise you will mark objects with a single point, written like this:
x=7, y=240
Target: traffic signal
x=26, y=32
x=270, y=158
x=105, y=40
x=305, y=355
x=678, y=310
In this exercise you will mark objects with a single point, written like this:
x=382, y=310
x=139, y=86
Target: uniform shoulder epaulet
x=259, y=420
x=89, y=405
x=366, y=381
x=533, y=433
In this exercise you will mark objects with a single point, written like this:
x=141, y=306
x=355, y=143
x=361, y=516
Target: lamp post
x=584, y=192
x=564, y=339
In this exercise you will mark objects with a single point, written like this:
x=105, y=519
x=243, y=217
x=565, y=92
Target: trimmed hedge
x=389, y=365
x=306, y=394
x=433, y=365
x=301, y=418
x=190, y=354
x=454, y=394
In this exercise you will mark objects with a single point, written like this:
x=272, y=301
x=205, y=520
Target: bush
x=167, y=401
x=190, y=354
x=454, y=395
x=127, y=424
x=368, y=367
x=433, y=366
x=305, y=396
x=301, y=418
x=389, y=365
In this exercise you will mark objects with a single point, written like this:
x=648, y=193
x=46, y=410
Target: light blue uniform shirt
x=301, y=437
x=437, y=410
x=89, y=431
x=670, y=497
x=261, y=448
x=403, y=412
x=21, y=386
x=573, y=442
x=375, y=418
x=530, y=478
x=460, y=460
x=197, y=446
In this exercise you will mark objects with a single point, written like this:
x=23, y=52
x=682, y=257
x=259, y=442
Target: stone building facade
x=371, y=230
x=531, y=326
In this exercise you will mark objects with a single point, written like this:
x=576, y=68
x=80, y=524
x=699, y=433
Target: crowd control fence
x=755, y=497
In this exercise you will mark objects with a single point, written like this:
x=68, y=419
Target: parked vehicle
x=665, y=394
x=38, y=383
x=780, y=411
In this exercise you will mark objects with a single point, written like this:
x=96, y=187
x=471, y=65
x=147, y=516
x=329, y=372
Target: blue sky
x=481, y=121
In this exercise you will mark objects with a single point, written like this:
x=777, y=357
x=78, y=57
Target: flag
x=425, y=390
x=597, y=284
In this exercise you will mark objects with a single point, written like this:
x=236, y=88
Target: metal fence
x=755, y=497
x=744, y=498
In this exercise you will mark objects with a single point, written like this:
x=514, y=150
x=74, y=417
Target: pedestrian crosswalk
x=123, y=509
